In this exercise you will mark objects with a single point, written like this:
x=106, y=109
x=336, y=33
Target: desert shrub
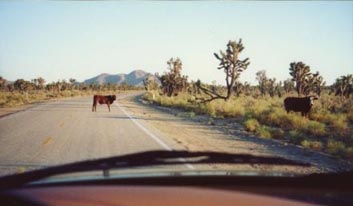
x=293, y=121
x=263, y=131
x=221, y=108
x=274, y=117
x=335, y=147
x=233, y=109
x=210, y=121
x=277, y=133
x=257, y=109
x=276, y=102
x=210, y=109
x=149, y=96
x=251, y=125
x=349, y=152
x=200, y=109
x=166, y=101
x=350, y=115
x=315, y=128
x=191, y=114
x=337, y=122
x=322, y=115
x=296, y=136
x=314, y=145
x=249, y=101
x=340, y=124
x=8, y=99
x=180, y=101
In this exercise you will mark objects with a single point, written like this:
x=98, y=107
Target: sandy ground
x=198, y=134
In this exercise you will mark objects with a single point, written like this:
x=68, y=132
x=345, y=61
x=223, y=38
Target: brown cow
x=102, y=100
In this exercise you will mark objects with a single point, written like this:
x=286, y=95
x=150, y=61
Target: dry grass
x=312, y=144
x=336, y=147
x=8, y=99
x=251, y=125
x=315, y=128
x=330, y=118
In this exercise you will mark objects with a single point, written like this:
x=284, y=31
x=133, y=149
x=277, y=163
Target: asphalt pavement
x=67, y=131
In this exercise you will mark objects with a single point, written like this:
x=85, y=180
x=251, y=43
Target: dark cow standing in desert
x=299, y=104
x=109, y=99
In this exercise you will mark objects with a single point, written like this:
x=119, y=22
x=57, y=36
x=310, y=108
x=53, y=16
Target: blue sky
x=61, y=40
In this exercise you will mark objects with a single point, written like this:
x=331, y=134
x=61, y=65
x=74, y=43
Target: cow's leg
x=108, y=107
x=93, y=106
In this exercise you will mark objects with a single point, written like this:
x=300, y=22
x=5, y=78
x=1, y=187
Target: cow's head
x=113, y=97
x=312, y=98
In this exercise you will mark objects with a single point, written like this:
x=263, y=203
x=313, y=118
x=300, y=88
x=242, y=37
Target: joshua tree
x=288, y=85
x=300, y=72
x=2, y=83
x=23, y=85
x=305, y=82
x=268, y=85
x=314, y=83
x=343, y=86
x=83, y=86
x=263, y=81
x=150, y=83
x=238, y=88
x=38, y=83
x=72, y=83
x=35, y=82
x=278, y=89
x=41, y=82
x=247, y=88
x=272, y=87
x=232, y=67
x=172, y=82
x=50, y=87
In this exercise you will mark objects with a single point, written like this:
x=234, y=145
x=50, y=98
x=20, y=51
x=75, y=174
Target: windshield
x=270, y=82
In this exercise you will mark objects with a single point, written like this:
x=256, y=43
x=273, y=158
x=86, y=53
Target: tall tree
x=278, y=89
x=2, y=83
x=343, y=86
x=72, y=83
x=272, y=87
x=314, y=83
x=288, y=85
x=41, y=82
x=23, y=85
x=150, y=83
x=299, y=72
x=305, y=81
x=262, y=79
x=172, y=82
x=232, y=67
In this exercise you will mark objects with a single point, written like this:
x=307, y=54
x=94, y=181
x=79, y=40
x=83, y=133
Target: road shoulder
x=199, y=134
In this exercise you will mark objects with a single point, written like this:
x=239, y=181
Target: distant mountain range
x=135, y=78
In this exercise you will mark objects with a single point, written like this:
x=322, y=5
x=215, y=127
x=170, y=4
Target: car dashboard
x=186, y=190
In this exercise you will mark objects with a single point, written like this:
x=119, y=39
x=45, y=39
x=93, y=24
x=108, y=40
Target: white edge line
x=151, y=135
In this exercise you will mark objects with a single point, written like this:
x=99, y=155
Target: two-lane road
x=68, y=131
